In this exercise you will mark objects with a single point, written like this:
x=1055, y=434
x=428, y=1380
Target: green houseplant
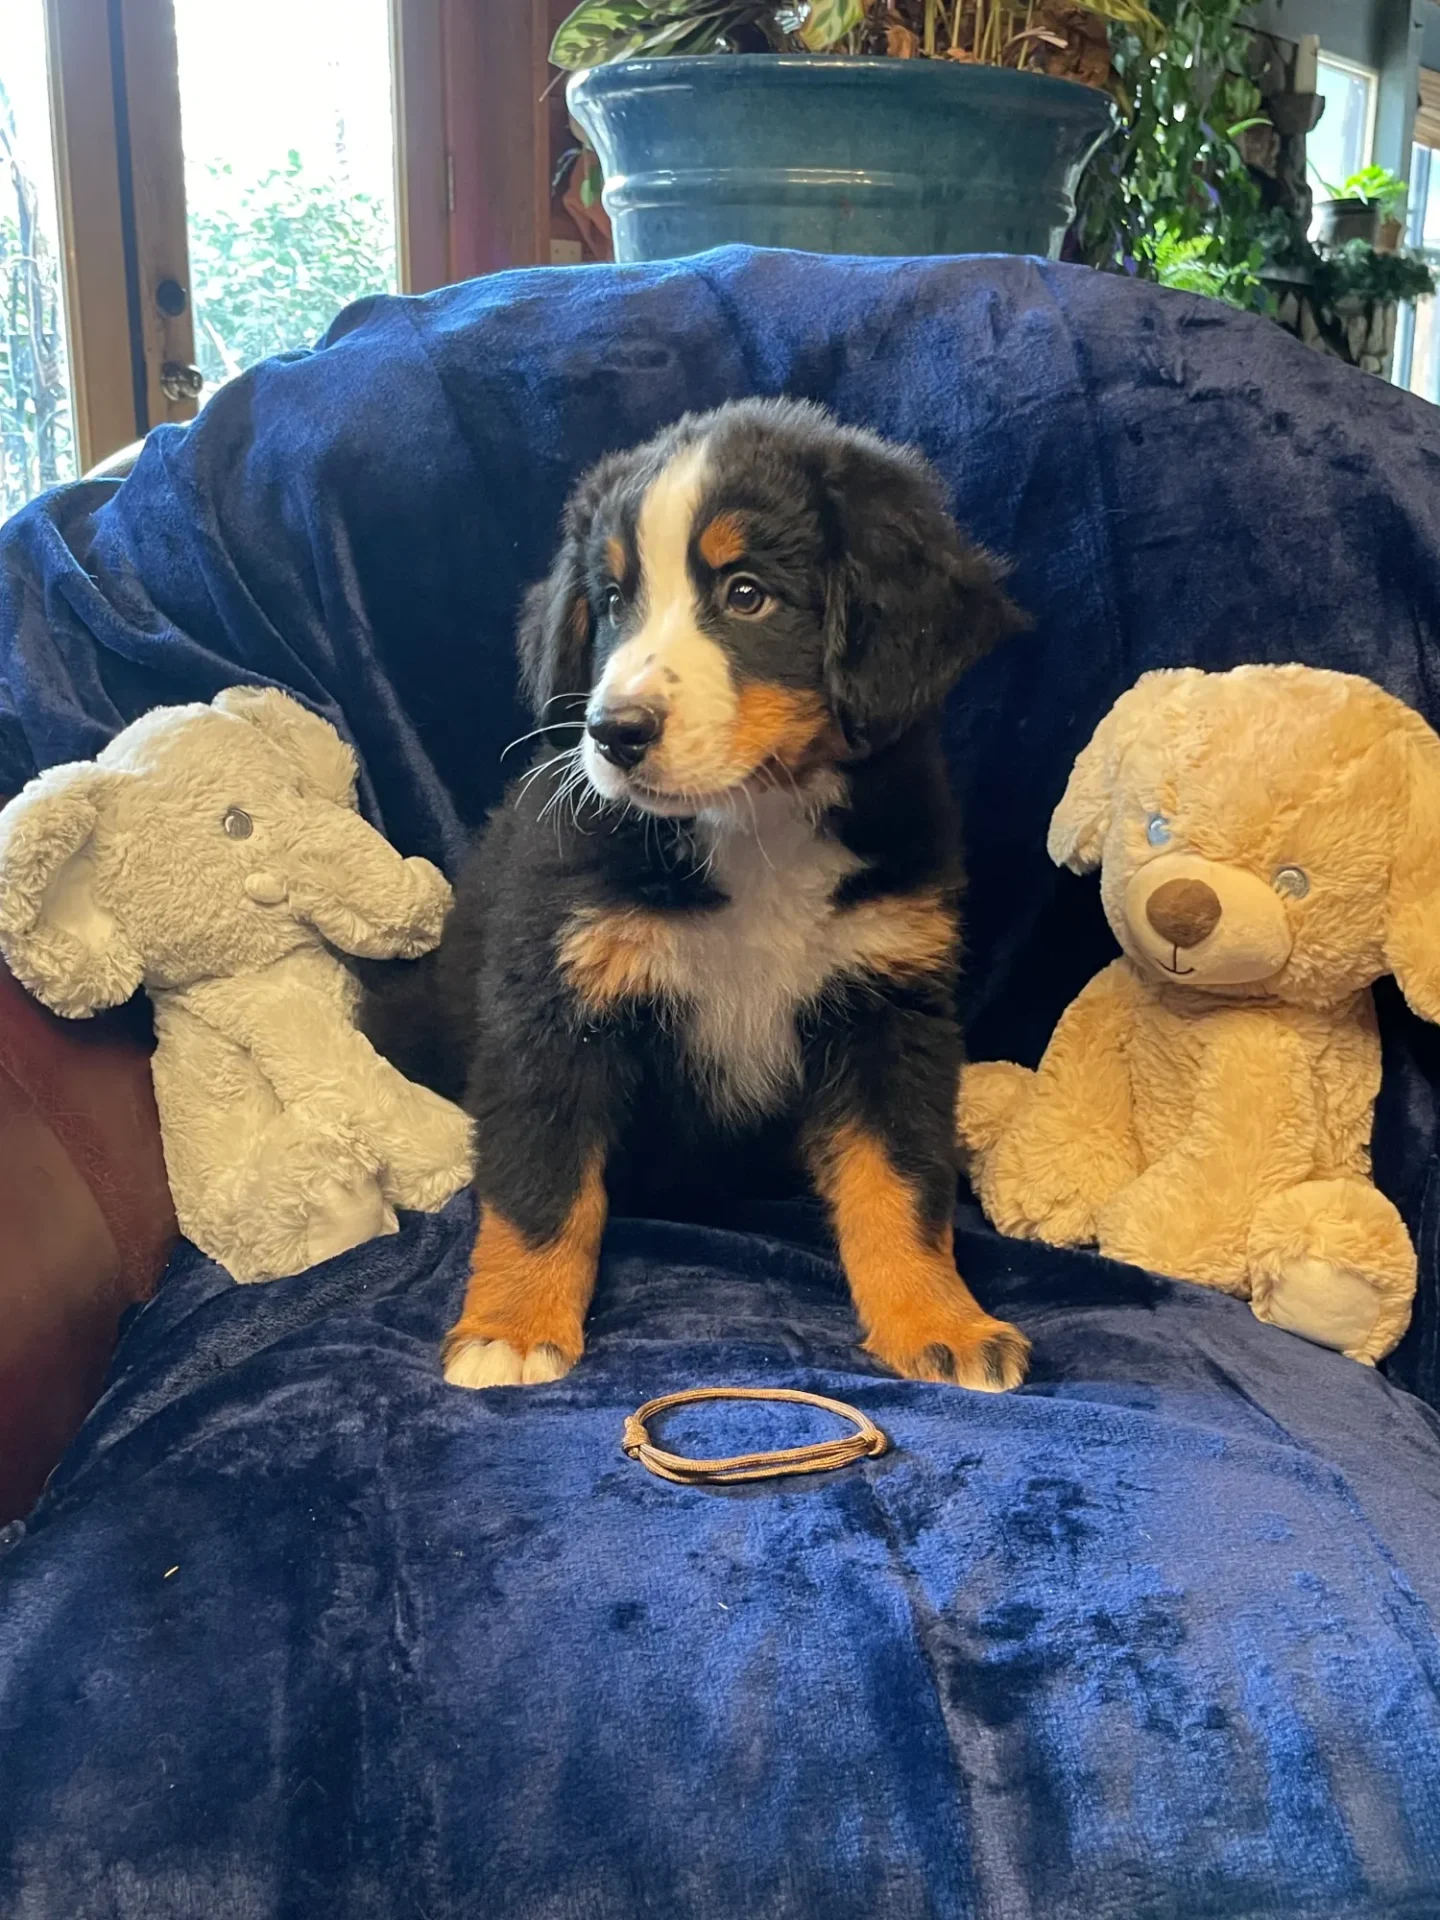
x=1173, y=198
x=877, y=126
x=1369, y=206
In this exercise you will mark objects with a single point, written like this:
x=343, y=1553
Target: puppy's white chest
x=747, y=968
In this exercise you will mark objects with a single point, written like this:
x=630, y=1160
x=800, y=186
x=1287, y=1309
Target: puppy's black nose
x=625, y=734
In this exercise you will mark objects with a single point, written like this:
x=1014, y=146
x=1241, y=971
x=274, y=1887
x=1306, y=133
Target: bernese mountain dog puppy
x=711, y=939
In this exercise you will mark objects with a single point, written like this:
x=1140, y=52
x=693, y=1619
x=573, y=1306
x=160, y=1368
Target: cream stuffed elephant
x=1269, y=844
x=214, y=855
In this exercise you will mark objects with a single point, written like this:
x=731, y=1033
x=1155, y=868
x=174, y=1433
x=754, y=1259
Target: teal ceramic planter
x=836, y=156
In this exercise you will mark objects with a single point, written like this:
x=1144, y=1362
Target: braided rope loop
x=867, y=1441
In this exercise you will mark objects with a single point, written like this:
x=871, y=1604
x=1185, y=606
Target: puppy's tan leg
x=919, y=1316
x=524, y=1312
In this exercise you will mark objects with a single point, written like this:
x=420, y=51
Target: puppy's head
x=756, y=595
x=1270, y=832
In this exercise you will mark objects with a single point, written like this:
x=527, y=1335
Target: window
x=289, y=168
x=1343, y=141
x=187, y=186
x=37, y=429
x=1417, y=352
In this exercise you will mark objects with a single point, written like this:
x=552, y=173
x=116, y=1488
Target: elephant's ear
x=326, y=765
x=56, y=934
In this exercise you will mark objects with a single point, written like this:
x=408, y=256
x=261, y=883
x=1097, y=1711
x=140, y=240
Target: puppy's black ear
x=556, y=635
x=910, y=603
x=555, y=632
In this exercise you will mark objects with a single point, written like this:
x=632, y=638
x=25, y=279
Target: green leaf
x=601, y=30
x=1132, y=14
x=828, y=21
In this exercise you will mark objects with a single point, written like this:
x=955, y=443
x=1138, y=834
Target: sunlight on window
x=37, y=442
x=1424, y=350
x=1341, y=144
x=289, y=170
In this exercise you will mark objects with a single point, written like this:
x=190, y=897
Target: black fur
x=881, y=605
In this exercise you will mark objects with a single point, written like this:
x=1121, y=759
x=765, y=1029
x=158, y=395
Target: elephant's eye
x=237, y=824
x=1293, y=882
x=1157, y=830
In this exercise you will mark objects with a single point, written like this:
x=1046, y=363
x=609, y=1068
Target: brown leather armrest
x=86, y=1223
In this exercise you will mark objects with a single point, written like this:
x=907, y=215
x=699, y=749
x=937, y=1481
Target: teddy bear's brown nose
x=1184, y=912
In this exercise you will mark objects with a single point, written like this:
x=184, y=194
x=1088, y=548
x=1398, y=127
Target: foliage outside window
x=272, y=261
x=36, y=434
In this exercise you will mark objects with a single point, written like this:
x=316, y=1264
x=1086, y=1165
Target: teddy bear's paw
x=1158, y=1224
x=955, y=1349
x=990, y=1094
x=1035, y=1194
x=1331, y=1260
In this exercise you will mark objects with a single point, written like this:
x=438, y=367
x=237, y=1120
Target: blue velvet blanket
x=299, y=1633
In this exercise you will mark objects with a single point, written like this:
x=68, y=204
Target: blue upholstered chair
x=298, y=1632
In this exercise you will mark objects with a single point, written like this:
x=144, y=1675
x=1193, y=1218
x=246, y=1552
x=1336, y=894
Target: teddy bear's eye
x=1157, y=830
x=237, y=824
x=1293, y=882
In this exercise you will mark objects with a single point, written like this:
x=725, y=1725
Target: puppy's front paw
x=472, y=1362
x=964, y=1350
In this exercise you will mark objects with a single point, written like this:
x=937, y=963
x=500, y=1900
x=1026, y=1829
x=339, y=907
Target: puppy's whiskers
x=535, y=733
x=528, y=779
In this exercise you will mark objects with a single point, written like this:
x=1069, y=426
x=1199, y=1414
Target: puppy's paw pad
x=495, y=1363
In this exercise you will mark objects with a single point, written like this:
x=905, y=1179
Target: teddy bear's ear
x=326, y=764
x=1412, y=935
x=1081, y=821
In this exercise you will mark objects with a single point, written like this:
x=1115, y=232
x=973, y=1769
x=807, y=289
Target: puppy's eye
x=237, y=824
x=1157, y=830
x=1292, y=882
x=746, y=597
x=614, y=603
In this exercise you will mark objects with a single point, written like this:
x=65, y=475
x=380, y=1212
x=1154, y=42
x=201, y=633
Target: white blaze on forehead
x=668, y=659
x=663, y=533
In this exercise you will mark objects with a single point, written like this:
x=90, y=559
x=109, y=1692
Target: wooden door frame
x=92, y=229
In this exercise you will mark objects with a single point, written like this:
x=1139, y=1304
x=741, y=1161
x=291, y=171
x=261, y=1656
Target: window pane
x=1424, y=370
x=1424, y=231
x=37, y=442
x=1340, y=145
x=289, y=170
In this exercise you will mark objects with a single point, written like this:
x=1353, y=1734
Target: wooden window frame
x=119, y=163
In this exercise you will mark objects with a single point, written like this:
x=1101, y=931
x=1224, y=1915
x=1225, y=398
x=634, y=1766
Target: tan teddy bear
x=1269, y=844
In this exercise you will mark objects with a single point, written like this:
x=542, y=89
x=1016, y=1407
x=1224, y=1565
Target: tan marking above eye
x=723, y=541
x=615, y=557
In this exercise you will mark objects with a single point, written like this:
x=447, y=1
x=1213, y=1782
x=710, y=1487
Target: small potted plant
x=1369, y=206
x=842, y=126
